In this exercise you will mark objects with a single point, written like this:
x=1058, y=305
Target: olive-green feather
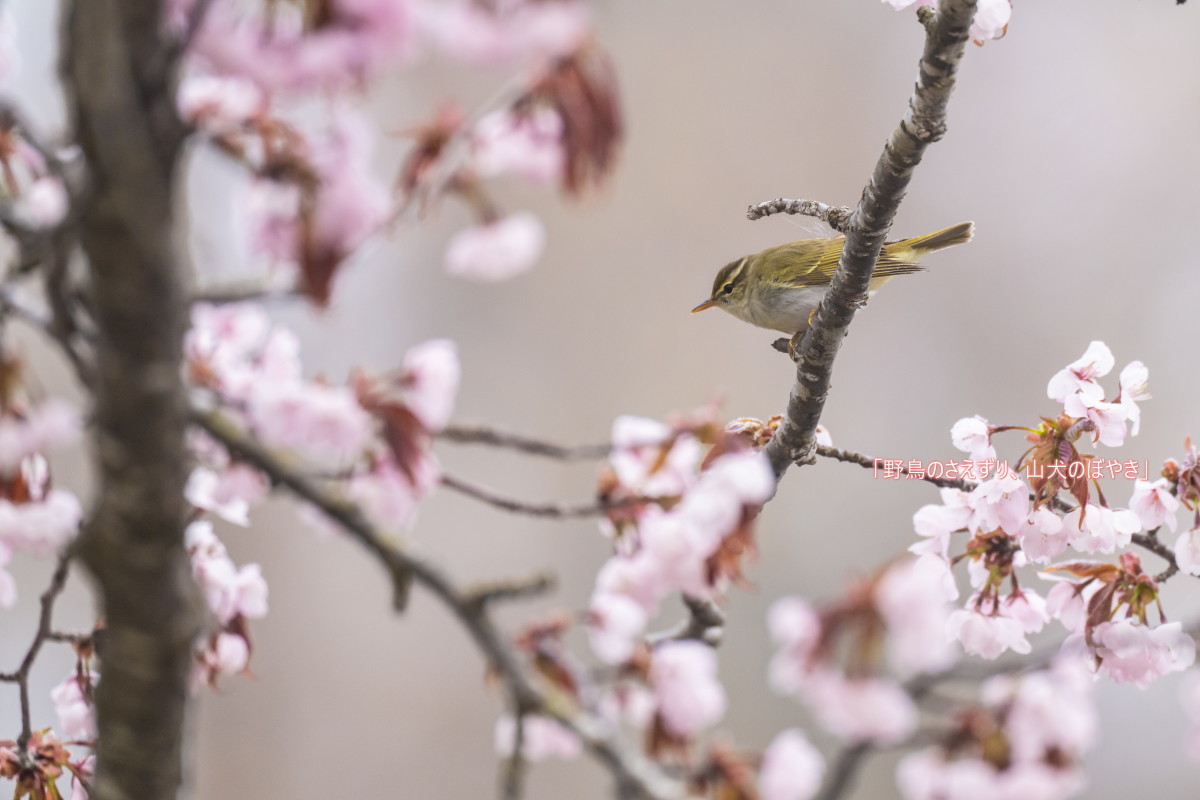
x=816, y=260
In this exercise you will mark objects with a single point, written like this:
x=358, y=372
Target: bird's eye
x=728, y=289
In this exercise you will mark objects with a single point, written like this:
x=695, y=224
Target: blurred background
x=1072, y=144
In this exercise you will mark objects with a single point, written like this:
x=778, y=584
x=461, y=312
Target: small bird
x=781, y=287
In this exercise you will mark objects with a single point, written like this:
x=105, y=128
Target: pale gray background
x=1072, y=144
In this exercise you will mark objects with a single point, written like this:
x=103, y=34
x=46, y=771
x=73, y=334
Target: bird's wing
x=815, y=265
x=813, y=262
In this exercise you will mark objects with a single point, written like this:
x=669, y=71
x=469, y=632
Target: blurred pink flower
x=527, y=142
x=76, y=716
x=543, y=738
x=1187, y=551
x=791, y=768
x=1154, y=504
x=861, y=709
x=219, y=102
x=614, y=623
x=683, y=677
x=508, y=31
x=321, y=424
x=496, y=251
x=430, y=375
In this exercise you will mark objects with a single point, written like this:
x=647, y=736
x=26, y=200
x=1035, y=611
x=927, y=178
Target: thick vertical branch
x=924, y=124
x=118, y=75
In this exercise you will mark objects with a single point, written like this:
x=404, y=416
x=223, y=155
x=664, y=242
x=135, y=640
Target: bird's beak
x=706, y=304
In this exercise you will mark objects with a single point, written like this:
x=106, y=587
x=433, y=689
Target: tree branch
x=866, y=231
x=836, y=217
x=545, y=510
x=465, y=434
x=43, y=634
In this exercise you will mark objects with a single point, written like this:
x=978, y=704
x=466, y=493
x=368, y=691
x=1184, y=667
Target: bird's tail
x=912, y=249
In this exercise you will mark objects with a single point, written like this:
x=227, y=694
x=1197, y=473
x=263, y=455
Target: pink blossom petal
x=498, y=250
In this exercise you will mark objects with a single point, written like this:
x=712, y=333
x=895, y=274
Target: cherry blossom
x=973, y=435
x=1000, y=503
x=51, y=424
x=1134, y=379
x=1067, y=602
x=352, y=42
x=1043, y=536
x=231, y=591
x=1130, y=652
x=791, y=768
x=528, y=143
x=506, y=31
x=42, y=525
x=543, y=738
x=498, y=250
x=1100, y=530
x=913, y=604
x=76, y=715
x=219, y=102
x=861, y=709
x=1047, y=710
x=202, y=491
x=640, y=464
x=615, y=621
x=1078, y=379
x=1154, y=504
x=322, y=424
x=390, y=496
x=1187, y=551
x=683, y=677
x=987, y=635
x=431, y=376
x=936, y=522
x=796, y=627
x=43, y=203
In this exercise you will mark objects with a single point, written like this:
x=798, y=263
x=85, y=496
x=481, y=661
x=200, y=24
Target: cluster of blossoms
x=1025, y=739
x=680, y=519
x=990, y=22
x=374, y=433
x=901, y=612
x=315, y=196
x=679, y=522
x=234, y=596
x=1011, y=523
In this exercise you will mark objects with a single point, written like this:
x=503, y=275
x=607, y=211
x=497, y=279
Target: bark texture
x=118, y=71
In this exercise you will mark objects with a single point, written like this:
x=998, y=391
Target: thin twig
x=1150, y=542
x=497, y=591
x=705, y=623
x=544, y=510
x=21, y=677
x=845, y=766
x=866, y=231
x=835, y=217
x=465, y=434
